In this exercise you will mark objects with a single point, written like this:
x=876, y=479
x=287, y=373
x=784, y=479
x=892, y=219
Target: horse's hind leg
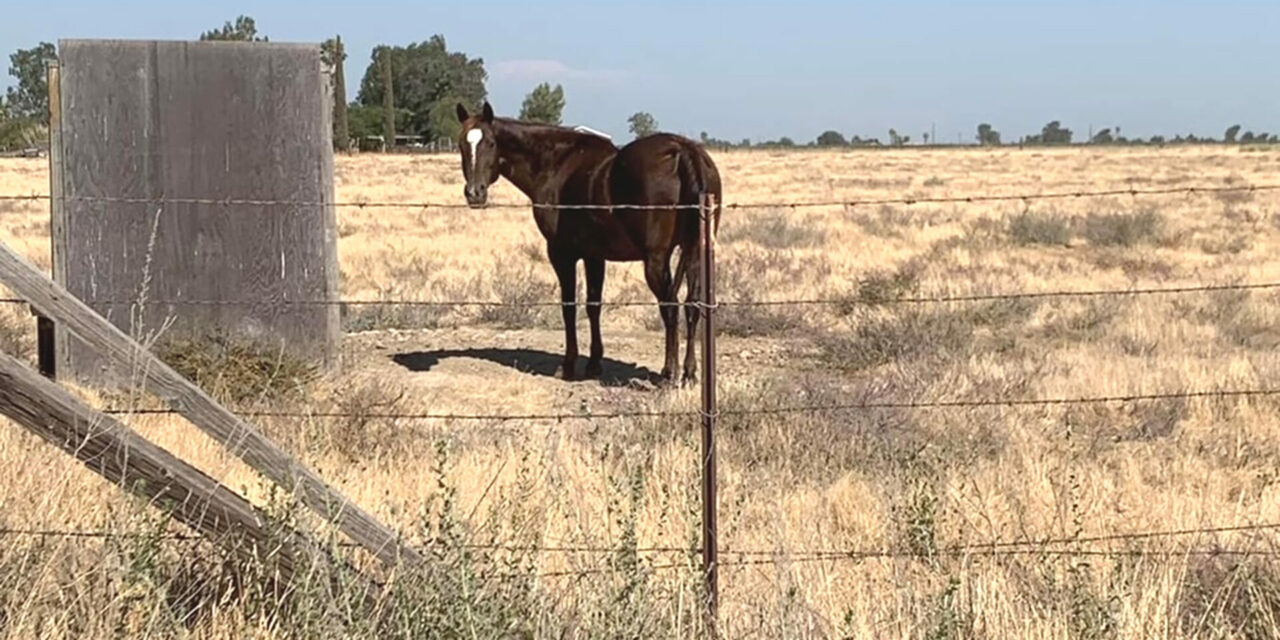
x=567, y=273
x=595, y=292
x=657, y=272
x=692, y=312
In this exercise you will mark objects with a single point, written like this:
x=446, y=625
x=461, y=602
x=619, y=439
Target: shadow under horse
x=539, y=363
x=642, y=202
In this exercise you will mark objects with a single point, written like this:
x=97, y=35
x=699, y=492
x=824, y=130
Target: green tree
x=30, y=98
x=243, y=29
x=1103, y=137
x=987, y=136
x=831, y=138
x=543, y=104
x=642, y=124
x=1052, y=134
x=428, y=80
x=784, y=141
x=1229, y=136
x=367, y=121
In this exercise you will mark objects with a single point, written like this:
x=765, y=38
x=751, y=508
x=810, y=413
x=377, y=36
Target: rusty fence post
x=710, y=563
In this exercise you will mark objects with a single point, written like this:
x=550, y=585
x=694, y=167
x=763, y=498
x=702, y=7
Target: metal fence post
x=710, y=564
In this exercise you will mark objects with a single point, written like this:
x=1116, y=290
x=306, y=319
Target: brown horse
x=554, y=166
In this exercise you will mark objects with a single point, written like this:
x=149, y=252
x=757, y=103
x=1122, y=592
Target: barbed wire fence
x=754, y=557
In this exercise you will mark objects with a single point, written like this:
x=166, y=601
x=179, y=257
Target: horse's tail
x=693, y=185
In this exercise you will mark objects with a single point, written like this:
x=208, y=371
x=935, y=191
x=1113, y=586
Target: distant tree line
x=408, y=93
x=1052, y=134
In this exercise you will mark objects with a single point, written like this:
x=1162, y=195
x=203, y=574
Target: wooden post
x=46, y=331
x=45, y=349
x=120, y=455
x=240, y=438
x=158, y=138
x=710, y=561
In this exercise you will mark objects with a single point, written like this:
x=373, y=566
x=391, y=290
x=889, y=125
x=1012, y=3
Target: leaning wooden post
x=710, y=563
x=125, y=458
x=239, y=437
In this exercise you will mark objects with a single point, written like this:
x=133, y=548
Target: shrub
x=1029, y=228
x=1123, y=229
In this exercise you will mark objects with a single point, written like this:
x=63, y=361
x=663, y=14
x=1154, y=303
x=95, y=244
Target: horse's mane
x=529, y=132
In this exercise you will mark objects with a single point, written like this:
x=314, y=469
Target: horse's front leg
x=595, y=293
x=567, y=274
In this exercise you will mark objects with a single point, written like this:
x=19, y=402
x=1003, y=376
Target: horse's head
x=479, y=148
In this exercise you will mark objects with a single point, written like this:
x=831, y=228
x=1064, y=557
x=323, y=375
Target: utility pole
x=388, y=101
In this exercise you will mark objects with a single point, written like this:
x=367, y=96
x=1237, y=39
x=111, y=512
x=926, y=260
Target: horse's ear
x=486, y=113
x=462, y=113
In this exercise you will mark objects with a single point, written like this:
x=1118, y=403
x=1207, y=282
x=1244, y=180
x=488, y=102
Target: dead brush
x=742, y=279
x=17, y=334
x=235, y=370
x=1123, y=229
x=519, y=295
x=1228, y=597
x=775, y=229
x=1040, y=228
x=363, y=431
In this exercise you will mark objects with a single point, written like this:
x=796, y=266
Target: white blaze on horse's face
x=474, y=137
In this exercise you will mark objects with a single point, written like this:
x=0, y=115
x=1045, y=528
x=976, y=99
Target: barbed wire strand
x=967, y=548
x=865, y=302
x=789, y=409
x=1137, y=553
x=362, y=204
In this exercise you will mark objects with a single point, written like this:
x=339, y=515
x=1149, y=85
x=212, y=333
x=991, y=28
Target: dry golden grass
x=909, y=481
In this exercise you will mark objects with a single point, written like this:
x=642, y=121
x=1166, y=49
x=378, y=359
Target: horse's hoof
x=594, y=370
x=564, y=373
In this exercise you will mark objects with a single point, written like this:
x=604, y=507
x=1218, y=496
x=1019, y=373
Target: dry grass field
x=908, y=484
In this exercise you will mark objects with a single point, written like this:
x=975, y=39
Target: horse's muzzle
x=477, y=196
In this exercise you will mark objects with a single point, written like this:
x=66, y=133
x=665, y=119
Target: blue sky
x=764, y=70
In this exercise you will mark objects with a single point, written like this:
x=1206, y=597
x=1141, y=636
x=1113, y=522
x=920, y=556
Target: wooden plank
x=240, y=438
x=206, y=120
x=117, y=453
